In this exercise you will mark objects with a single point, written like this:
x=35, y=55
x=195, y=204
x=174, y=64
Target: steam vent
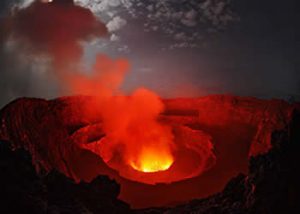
x=225, y=156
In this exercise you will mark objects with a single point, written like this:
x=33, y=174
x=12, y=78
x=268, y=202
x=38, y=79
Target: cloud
x=166, y=17
x=22, y=75
x=114, y=38
x=189, y=18
x=116, y=24
x=174, y=17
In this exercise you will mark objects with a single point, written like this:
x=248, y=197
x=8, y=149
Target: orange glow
x=138, y=141
x=134, y=136
x=137, y=138
x=153, y=160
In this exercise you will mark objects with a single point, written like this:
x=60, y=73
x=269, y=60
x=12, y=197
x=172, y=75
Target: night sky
x=176, y=48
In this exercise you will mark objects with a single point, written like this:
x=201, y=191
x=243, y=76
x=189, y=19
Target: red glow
x=137, y=143
x=133, y=132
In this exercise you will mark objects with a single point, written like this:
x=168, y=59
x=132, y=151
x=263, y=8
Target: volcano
x=214, y=138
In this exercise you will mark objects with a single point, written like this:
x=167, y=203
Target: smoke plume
x=56, y=31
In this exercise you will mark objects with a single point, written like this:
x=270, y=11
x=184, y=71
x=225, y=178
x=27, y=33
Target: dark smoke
x=40, y=39
x=57, y=28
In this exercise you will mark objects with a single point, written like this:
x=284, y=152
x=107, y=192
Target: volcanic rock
x=271, y=186
x=25, y=191
x=54, y=131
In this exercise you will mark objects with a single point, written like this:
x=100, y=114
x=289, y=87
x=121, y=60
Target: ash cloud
x=55, y=32
x=20, y=76
x=23, y=75
x=41, y=43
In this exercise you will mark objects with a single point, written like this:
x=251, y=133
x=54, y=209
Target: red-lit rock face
x=213, y=137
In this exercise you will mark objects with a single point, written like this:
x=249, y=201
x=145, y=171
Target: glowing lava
x=153, y=160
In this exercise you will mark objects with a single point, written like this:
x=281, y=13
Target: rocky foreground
x=30, y=181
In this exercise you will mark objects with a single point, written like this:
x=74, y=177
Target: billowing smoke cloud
x=41, y=43
x=55, y=31
x=134, y=134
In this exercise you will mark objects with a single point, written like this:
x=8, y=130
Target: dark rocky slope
x=25, y=191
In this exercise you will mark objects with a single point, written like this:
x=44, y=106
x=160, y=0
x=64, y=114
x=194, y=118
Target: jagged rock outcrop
x=25, y=191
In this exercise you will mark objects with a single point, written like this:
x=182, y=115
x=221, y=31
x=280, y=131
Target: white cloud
x=124, y=49
x=116, y=24
x=114, y=38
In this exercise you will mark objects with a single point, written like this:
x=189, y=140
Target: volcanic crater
x=214, y=136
